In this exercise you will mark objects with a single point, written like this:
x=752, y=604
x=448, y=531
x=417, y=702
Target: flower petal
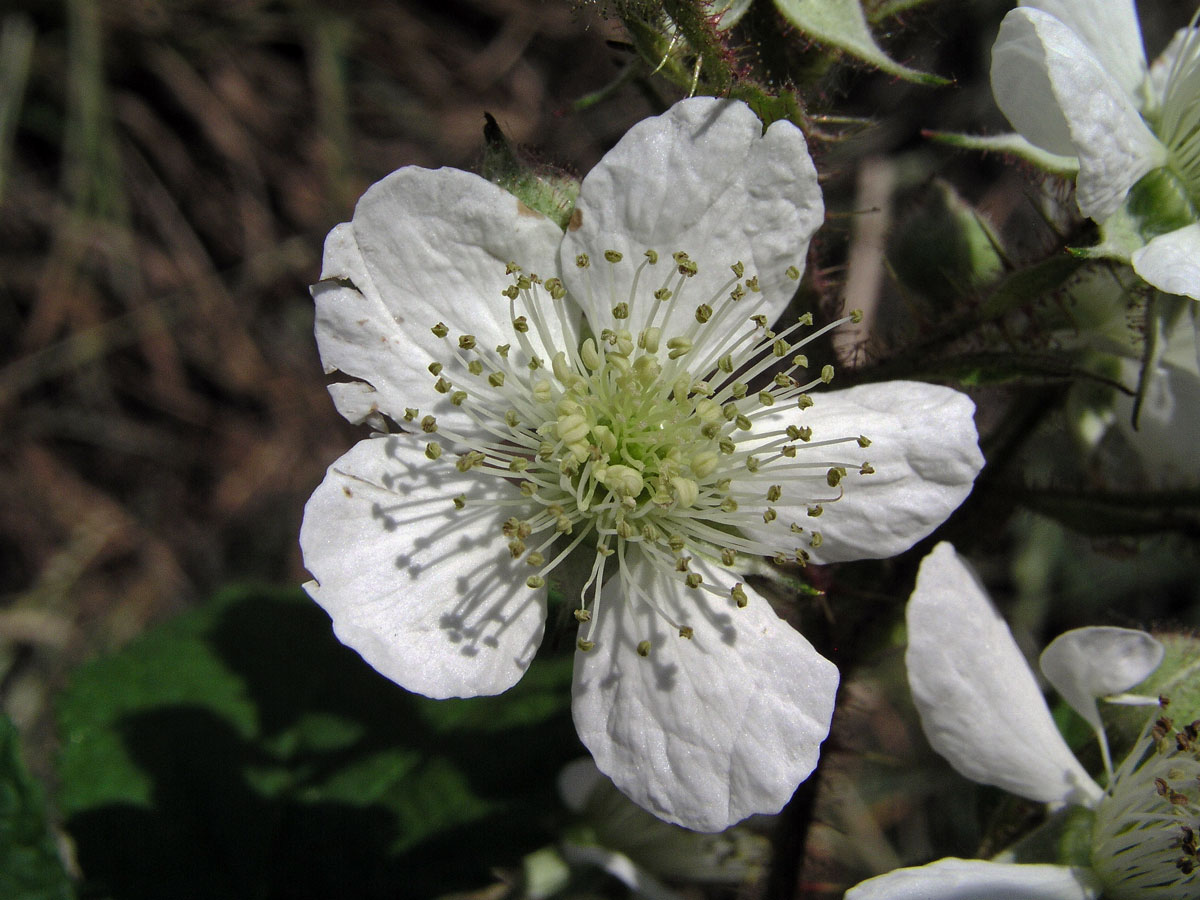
x=1171, y=262
x=979, y=704
x=429, y=595
x=925, y=452
x=977, y=879
x=1086, y=663
x=707, y=731
x=425, y=246
x=702, y=178
x=1056, y=92
x=1111, y=30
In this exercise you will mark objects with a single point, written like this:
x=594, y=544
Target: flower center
x=1144, y=842
x=659, y=434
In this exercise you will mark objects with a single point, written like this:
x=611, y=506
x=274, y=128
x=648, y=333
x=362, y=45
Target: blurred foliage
x=240, y=750
x=29, y=865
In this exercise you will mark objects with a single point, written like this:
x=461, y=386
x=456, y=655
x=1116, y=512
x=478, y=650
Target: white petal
x=979, y=704
x=1111, y=30
x=357, y=401
x=1087, y=663
x=1171, y=262
x=1057, y=94
x=429, y=595
x=977, y=879
x=925, y=452
x=425, y=246
x=702, y=178
x=706, y=731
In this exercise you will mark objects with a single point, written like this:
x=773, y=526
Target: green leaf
x=241, y=751
x=29, y=865
x=841, y=24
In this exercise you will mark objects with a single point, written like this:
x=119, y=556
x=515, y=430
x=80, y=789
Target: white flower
x=612, y=408
x=1072, y=78
x=982, y=710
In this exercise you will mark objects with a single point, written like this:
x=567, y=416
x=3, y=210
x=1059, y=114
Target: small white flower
x=609, y=407
x=982, y=710
x=1072, y=78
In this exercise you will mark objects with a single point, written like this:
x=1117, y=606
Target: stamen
x=640, y=439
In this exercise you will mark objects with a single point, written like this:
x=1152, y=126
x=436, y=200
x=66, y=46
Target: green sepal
x=1157, y=204
x=1009, y=145
x=543, y=190
x=842, y=24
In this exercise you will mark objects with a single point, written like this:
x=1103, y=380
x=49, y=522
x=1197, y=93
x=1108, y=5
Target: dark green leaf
x=29, y=865
x=241, y=751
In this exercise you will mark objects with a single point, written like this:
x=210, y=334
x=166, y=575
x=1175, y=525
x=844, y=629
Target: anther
x=739, y=595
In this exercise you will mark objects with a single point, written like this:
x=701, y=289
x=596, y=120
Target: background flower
x=1071, y=76
x=983, y=711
